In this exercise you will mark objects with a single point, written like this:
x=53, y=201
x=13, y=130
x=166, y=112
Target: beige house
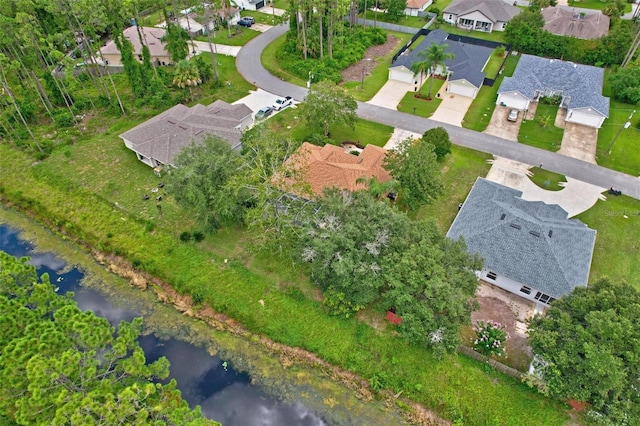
x=151, y=37
x=568, y=23
x=480, y=15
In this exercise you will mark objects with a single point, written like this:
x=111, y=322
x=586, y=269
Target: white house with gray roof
x=158, y=140
x=464, y=72
x=579, y=86
x=529, y=248
x=480, y=15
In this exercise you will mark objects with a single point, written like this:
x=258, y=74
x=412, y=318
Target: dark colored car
x=263, y=113
x=246, y=21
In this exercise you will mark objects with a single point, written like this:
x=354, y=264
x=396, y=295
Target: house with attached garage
x=578, y=86
x=158, y=140
x=139, y=37
x=417, y=7
x=530, y=248
x=464, y=73
x=249, y=4
x=586, y=26
x=480, y=15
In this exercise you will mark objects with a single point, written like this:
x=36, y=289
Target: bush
x=185, y=236
x=63, y=118
x=198, y=236
x=490, y=338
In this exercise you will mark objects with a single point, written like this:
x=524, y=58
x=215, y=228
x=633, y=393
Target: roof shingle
x=564, y=22
x=496, y=10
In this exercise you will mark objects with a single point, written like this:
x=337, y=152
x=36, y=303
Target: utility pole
x=626, y=125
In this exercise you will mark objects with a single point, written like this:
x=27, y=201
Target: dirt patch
x=371, y=58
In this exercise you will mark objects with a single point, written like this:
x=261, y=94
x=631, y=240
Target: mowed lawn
x=420, y=106
x=541, y=132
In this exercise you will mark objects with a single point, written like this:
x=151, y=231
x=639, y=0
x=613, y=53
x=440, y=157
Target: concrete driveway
x=452, y=109
x=501, y=127
x=258, y=99
x=399, y=135
x=390, y=95
x=221, y=49
x=575, y=198
x=579, y=142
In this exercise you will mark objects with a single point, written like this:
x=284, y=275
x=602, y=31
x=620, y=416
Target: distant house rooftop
x=151, y=36
x=569, y=23
x=496, y=10
x=530, y=242
x=467, y=64
x=313, y=168
x=162, y=137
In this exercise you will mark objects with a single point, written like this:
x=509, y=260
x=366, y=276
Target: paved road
x=248, y=64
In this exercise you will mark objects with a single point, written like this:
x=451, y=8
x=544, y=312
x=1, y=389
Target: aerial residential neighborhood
x=407, y=212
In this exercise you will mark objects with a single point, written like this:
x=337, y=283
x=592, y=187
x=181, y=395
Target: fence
x=505, y=369
x=395, y=27
x=113, y=69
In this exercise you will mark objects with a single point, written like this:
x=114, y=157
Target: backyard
x=598, y=4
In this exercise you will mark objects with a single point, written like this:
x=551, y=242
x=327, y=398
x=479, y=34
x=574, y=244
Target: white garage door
x=400, y=75
x=584, y=118
x=512, y=101
x=461, y=89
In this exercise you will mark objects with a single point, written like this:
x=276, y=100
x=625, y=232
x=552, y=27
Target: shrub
x=490, y=338
x=63, y=118
x=185, y=236
x=198, y=236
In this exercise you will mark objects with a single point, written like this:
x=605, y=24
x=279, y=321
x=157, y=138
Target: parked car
x=263, y=113
x=282, y=103
x=513, y=115
x=246, y=21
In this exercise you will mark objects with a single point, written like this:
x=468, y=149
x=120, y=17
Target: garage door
x=260, y=4
x=512, y=101
x=400, y=75
x=460, y=89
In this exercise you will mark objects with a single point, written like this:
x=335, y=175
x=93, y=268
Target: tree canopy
x=625, y=83
x=329, y=105
x=590, y=341
x=59, y=365
x=413, y=163
x=430, y=59
x=439, y=138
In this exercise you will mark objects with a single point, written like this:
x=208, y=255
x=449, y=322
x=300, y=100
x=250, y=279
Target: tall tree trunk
x=304, y=35
x=321, y=37
x=214, y=60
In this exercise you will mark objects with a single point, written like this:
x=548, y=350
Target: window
x=544, y=298
x=525, y=289
x=492, y=275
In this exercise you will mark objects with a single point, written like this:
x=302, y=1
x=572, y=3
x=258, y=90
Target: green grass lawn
x=546, y=179
x=494, y=64
x=262, y=18
x=497, y=36
x=597, y=4
x=270, y=63
x=479, y=114
x=460, y=170
x=423, y=107
x=407, y=21
x=617, y=221
x=238, y=88
x=541, y=132
x=239, y=36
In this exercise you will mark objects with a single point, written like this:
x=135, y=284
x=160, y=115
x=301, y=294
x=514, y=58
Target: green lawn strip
x=407, y=21
x=625, y=153
x=616, y=250
x=379, y=75
x=493, y=66
x=261, y=17
x=541, y=132
x=239, y=36
x=456, y=387
x=598, y=4
x=497, y=36
x=479, y=114
x=365, y=132
x=546, y=179
x=423, y=107
x=238, y=88
x=270, y=63
x=460, y=170
x=153, y=19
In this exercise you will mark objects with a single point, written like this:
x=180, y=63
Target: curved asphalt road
x=249, y=65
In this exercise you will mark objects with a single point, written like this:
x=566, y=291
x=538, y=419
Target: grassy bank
x=108, y=212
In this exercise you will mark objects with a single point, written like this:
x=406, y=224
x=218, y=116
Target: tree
x=329, y=105
x=395, y=9
x=59, y=365
x=439, y=138
x=187, y=75
x=625, y=84
x=431, y=58
x=590, y=341
x=200, y=181
x=413, y=163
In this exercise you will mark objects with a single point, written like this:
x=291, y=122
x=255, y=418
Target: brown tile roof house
x=314, y=168
x=150, y=36
x=568, y=23
x=158, y=140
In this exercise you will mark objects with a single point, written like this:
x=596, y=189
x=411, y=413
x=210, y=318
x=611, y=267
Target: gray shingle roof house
x=158, y=140
x=463, y=70
x=530, y=248
x=580, y=87
x=565, y=22
x=480, y=15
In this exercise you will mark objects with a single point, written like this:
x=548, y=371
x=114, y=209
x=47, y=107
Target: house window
x=544, y=298
x=526, y=290
x=450, y=17
x=492, y=275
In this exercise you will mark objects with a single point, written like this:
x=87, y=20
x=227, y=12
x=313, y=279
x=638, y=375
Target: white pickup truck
x=281, y=103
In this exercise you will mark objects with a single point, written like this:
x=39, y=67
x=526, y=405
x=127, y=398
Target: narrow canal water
x=224, y=394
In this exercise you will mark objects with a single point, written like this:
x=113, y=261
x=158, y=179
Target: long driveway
x=249, y=65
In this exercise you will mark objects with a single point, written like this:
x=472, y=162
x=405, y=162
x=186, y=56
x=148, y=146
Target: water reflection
x=224, y=394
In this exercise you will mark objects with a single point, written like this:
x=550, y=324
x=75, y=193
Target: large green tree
x=590, y=343
x=60, y=366
x=329, y=105
x=625, y=83
x=439, y=138
x=430, y=60
x=413, y=163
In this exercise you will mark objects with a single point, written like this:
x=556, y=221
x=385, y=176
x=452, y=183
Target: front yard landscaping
x=541, y=131
x=546, y=179
x=239, y=36
x=422, y=107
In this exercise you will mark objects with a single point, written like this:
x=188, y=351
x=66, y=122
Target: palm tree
x=186, y=74
x=432, y=57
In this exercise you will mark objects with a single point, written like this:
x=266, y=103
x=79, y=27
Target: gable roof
x=496, y=10
x=565, y=22
x=150, y=36
x=330, y=166
x=416, y=4
x=530, y=242
x=467, y=64
x=165, y=135
x=581, y=85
